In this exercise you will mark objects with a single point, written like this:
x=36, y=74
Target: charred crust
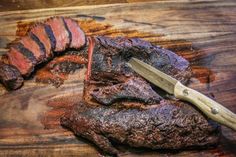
x=26, y=52
x=67, y=29
x=51, y=36
x=40, y=44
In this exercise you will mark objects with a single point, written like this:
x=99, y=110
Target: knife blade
x=209, y=107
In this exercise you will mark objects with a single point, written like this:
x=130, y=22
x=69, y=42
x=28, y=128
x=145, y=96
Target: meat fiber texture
x=120, y=107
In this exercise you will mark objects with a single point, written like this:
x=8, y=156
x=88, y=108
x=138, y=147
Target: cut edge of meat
x=17, y=59
x=29, y=43
x=68, y=31
x=78, y=37
x=10, y=76
x=60, y=33
x=90, y=58
x=42, y=48
x=39, y=30
x=51, y=36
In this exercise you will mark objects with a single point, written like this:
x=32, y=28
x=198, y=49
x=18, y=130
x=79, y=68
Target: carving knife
x=209, y=107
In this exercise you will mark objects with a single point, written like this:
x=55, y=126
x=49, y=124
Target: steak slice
x=77, y=35
x=167, y=125
x=39, y=31
x=22, y=59
x=60, y=33
x=29, y=42
x=10, y=76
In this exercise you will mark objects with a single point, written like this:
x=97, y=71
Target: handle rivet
x=185, y=92
x=214, y=110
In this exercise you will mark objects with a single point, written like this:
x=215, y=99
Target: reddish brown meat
x=54, y=34
x=60, y=33
x=77, y=35
x=32, y=46
x=20, y=61
x=39, y=31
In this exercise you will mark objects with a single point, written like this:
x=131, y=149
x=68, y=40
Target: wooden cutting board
x=202, y=32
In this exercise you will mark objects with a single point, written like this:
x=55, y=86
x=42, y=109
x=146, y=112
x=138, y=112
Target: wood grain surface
x=9, y=5
x=204, y=32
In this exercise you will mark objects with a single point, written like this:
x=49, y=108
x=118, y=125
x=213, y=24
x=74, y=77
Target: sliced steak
x=22, y=59
x=29, y=43
x=10, y=76
x=44, y=41
x=77, y=35
x=60, y=33
x=167, y=125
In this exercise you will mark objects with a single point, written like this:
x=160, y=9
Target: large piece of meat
x=166, y=125
x=121, y=107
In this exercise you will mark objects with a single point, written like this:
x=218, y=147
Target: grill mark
x=41, y=45
x=26, y=52
x=68, y=30
x=51, y=36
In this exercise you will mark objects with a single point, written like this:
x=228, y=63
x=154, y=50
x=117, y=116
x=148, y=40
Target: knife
x=209, y=107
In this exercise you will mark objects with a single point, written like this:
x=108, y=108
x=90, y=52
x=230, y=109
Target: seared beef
x=60, y=33
x=108, y=56
x=29, y=42
x=111, y=55
x=134, y=88
x=51, y=36
x=40, y=32
x=57, y=70
x=22, y=59
x=167, y=125
x=121, y=107
x=40, y=54
x=54, y=34
x=10, y=76
x=77, y=35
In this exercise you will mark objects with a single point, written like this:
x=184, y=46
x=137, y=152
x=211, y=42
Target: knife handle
x=209, y=107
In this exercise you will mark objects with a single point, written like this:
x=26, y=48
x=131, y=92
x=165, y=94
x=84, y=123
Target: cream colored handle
x=209, y=107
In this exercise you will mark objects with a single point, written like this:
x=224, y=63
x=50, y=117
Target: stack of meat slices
x=120, y=107
x=53, y=35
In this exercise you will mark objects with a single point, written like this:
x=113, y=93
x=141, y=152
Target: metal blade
x=153, y=75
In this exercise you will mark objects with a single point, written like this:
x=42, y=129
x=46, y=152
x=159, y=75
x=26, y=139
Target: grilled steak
x=121, y=107
x=167, y=125
x=110, y=79
x=53, y=35
x=111, y=55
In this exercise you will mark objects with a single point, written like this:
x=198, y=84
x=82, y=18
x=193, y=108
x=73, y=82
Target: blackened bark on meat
x=51, y=36
x=26, y=52
x=111, y=55
x=135, y=89
x=67, y=29
x=168, y=125
x=41, y=47
x=10, y=76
